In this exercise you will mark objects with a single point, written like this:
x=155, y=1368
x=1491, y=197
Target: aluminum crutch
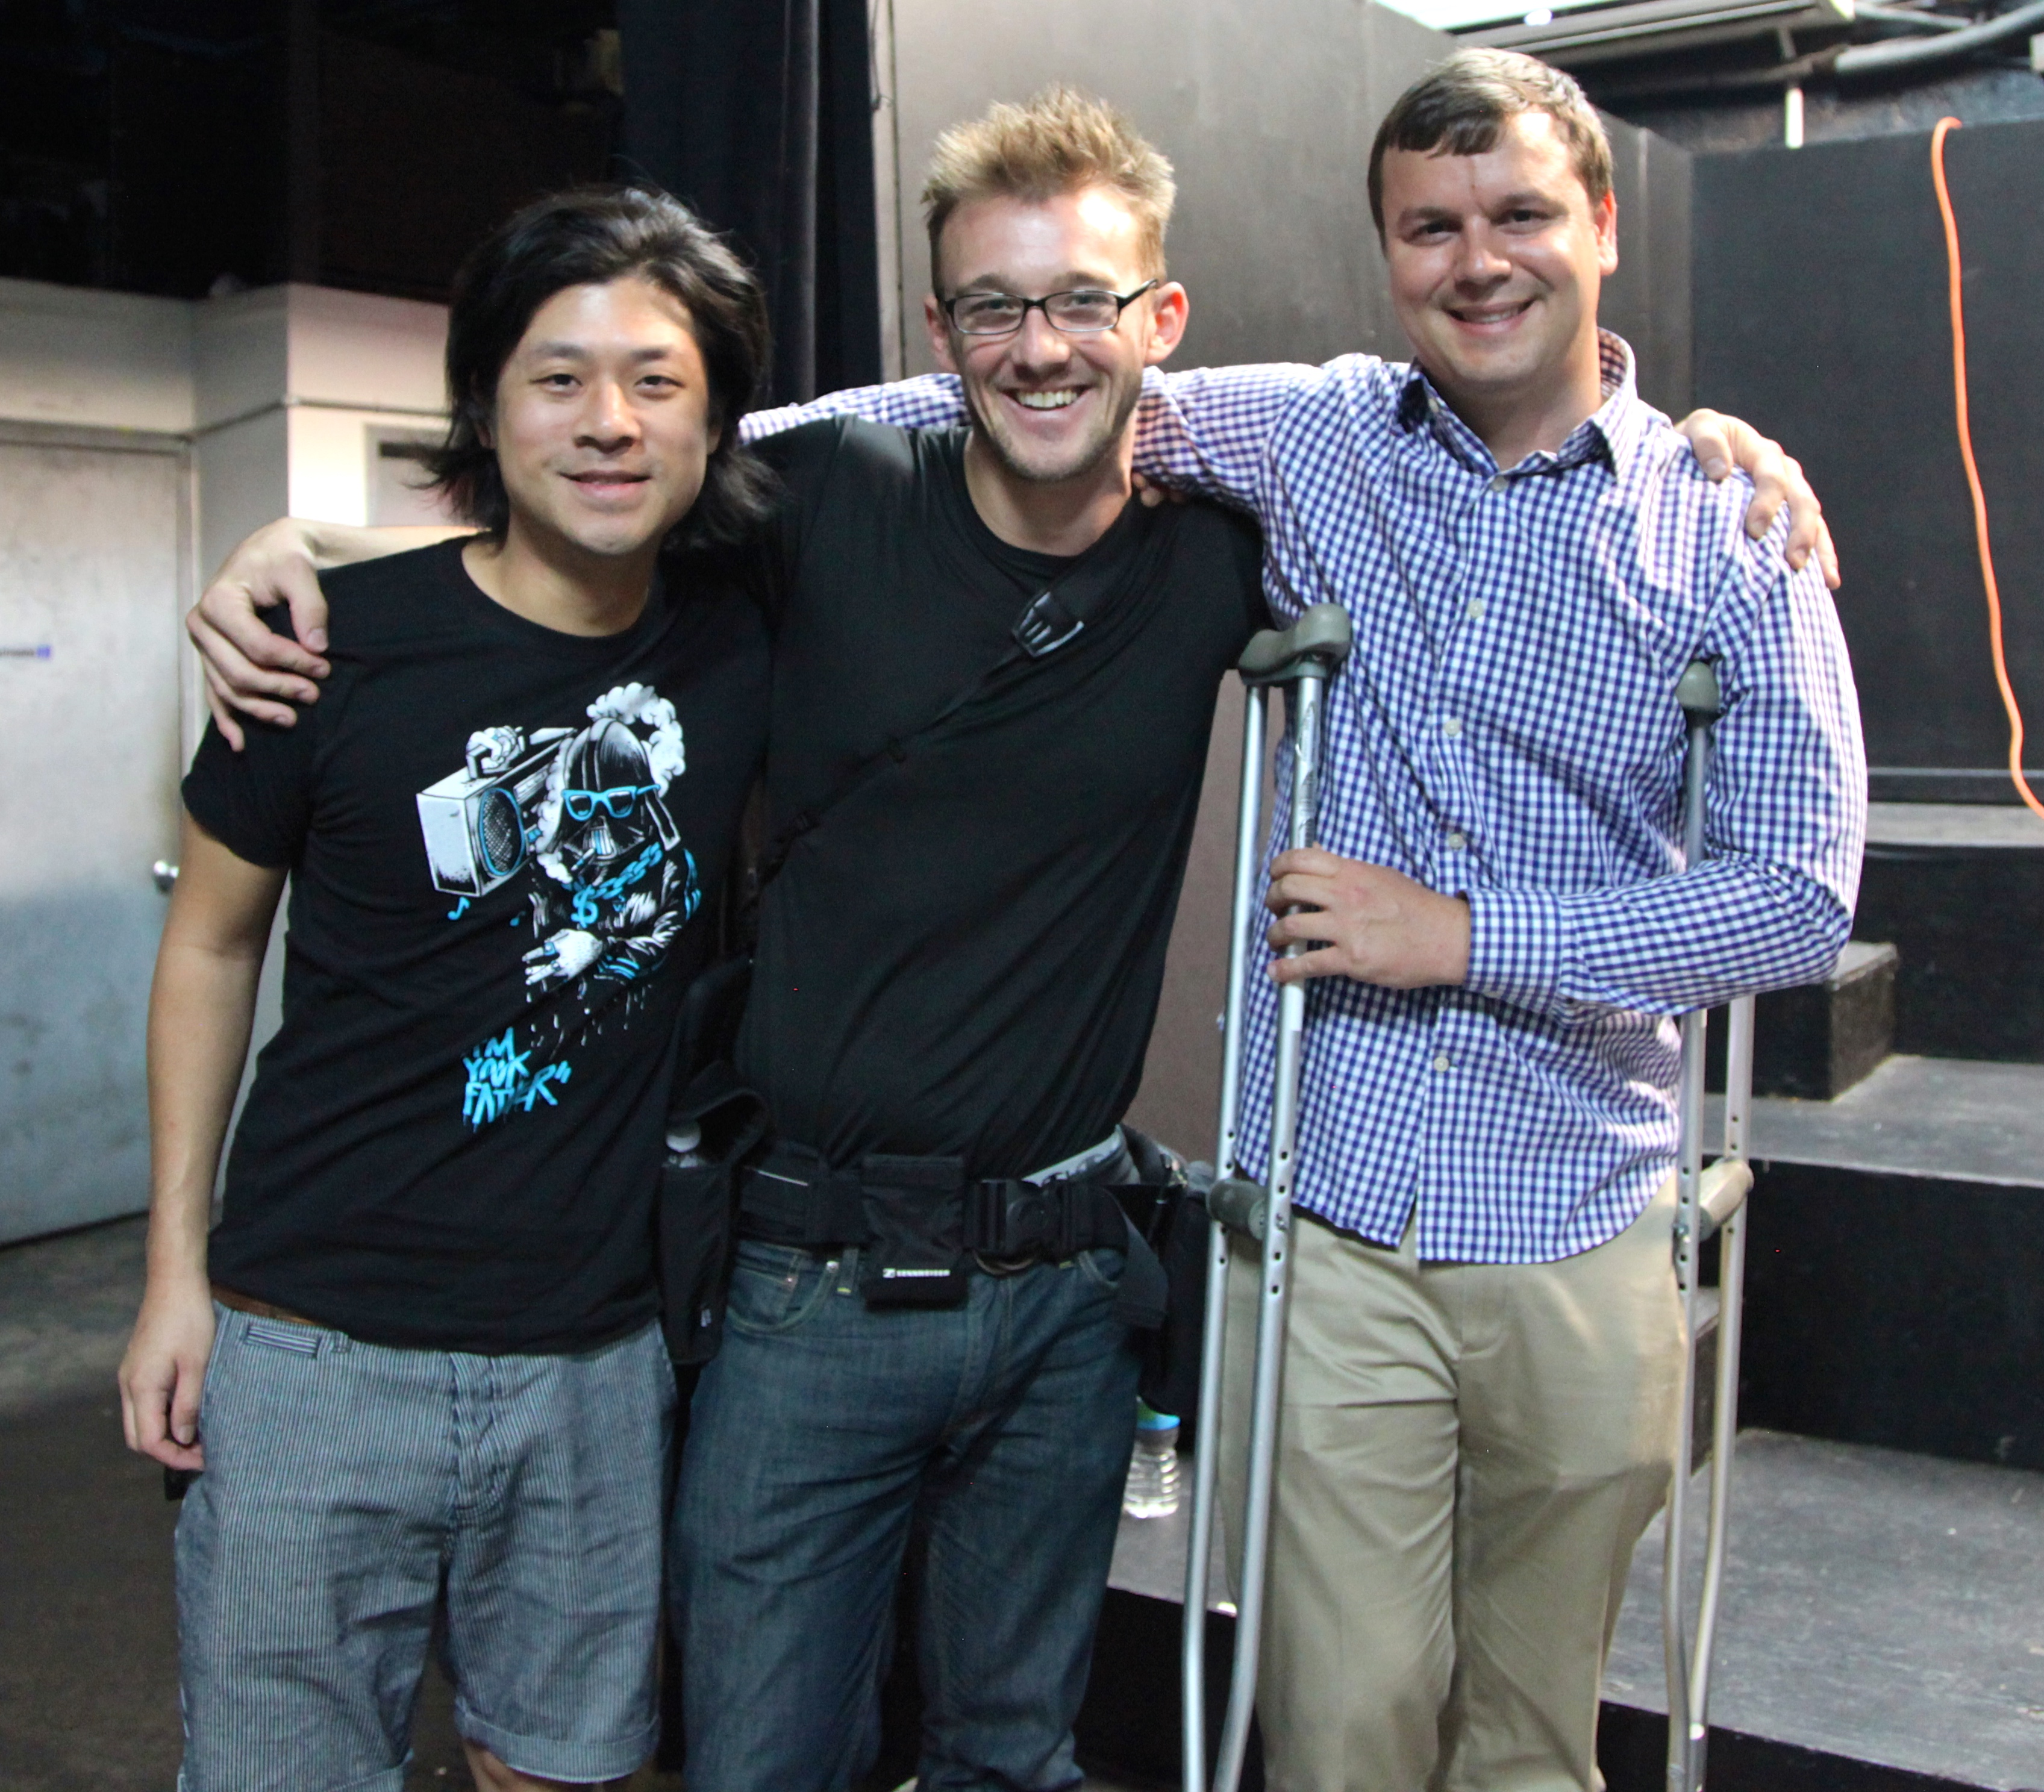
x=1707, y=1201
x=1302, y=660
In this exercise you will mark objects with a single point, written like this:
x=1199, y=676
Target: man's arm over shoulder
x=927, y=401
x=1208, y=429
x=1771, y=904
x=262, y=672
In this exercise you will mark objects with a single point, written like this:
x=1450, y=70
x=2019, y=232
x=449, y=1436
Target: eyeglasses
x=1083, y=312
x=617, y=803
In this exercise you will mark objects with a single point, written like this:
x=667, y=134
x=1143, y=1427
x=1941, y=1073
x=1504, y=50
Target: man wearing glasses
x=959, y=959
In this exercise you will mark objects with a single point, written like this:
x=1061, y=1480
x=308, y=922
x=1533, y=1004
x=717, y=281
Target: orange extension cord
x=1946, y=127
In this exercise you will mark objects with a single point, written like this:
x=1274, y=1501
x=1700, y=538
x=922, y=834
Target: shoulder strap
x=1054, y=617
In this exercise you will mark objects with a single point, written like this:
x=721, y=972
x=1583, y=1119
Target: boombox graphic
x=481, y=823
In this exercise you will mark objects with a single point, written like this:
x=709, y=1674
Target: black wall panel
x=1648, y=300
x=1821, y=315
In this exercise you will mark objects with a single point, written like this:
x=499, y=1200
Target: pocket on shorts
x=777, y=1288
x=281, y=1334
x=258, y=1369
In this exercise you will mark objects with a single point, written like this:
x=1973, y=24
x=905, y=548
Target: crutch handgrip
x=1317, y=641
x=1725, y=1187
x=1240, y=1205
x=1697, y=691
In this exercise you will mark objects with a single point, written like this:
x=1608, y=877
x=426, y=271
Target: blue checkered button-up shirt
x=1506, y=731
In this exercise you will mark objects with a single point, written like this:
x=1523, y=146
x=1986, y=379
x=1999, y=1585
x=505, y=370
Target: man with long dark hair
x=419, y=1361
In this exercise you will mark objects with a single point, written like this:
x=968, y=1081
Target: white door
x=90, y=546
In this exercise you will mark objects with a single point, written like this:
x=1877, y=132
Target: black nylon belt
x=794, y=1198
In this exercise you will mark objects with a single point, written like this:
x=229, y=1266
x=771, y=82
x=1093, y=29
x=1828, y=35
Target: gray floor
x=88, y=1637
x=1883, y=1606
x=66, y=1304
x=1921, y=1116
x=1150, y=1557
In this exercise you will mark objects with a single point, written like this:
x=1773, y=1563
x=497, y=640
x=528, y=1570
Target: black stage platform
x=1879, y=1608
x=1896, y=1290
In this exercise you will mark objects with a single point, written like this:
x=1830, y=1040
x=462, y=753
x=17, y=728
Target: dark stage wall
x=758, y=113
x=1821, y=315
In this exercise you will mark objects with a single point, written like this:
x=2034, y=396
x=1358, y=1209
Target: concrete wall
x=139, y=440
x=95, y=360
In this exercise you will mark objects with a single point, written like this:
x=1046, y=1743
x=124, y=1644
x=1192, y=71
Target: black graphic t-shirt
x=964, y=957
x=501, y=838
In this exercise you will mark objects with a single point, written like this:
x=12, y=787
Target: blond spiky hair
x=1055, y=143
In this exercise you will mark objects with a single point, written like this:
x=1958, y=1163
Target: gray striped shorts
x=350, y=1488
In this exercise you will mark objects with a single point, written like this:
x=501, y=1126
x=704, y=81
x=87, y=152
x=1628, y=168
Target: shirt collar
x=1614, y=433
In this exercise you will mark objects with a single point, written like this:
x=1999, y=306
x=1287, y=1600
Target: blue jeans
x=822, y=1430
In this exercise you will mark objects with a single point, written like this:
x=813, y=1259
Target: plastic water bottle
x=1152, y=1491
x=685, y=1147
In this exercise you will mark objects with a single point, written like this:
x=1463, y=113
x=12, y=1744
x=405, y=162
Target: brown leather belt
x=261, y=1309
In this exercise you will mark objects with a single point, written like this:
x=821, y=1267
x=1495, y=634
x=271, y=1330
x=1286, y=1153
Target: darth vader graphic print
x=579, y=817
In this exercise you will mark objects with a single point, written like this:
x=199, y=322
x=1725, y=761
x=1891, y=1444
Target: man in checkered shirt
x=1481, y=1382
x=1481, y=1378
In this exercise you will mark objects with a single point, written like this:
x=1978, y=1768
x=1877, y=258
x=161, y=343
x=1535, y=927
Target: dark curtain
x=759, y=114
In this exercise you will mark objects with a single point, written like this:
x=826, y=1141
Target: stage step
x=1958, y=888
x=1895, y=1261
x=1818, y=1039
x=1883, y=1631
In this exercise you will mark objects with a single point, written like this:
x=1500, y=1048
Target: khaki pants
x=1466, y=1455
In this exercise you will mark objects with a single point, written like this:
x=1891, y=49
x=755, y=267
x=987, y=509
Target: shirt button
x=1444, y=1062
x=1451, y=726
x=1456, y=843
x=1497, y=483
x=1476, y=609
